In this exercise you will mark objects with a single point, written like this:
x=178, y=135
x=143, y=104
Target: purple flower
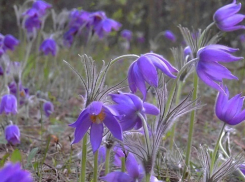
x=144, y=70
x=229, y=111
x=31, y=23
x=226, y=17
x=13, y=172
x=69, y=36
x=8, y=104
x=134, y=172
x=126, y=34
x=97, y=17
x=10, y=42
x=1, y=69
x=128, y=106
x=170, y=35
x=94, y=116
x=23, y=92
x=41, y=6
x=48, y=108
x=209, y=70
x=79, y=19
x=242, y=168
x=105, y=26
x=48, y=46
x=242, y=38
x=12, y=134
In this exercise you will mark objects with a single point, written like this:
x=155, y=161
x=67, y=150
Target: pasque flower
x=41, y=6
x=134, y=173
x=126, y=34
x=170, y=35
x=209, y=70
x=10, y=42
x=105, y=26
x=144, y=69
x=8, y=104
x=13, y=172
x=12, y=134
x=226, y=17
x=48, y=46
x=94, y=116
x=129, y=106
x=229, y=110
x=48, y=108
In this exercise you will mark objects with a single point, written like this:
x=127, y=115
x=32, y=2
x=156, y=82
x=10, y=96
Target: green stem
x=84, y=159
x=191, y=127
x=123, y=168
x=147, y=177
x=107, y=160
x=174, y=126
x=95, y=166
x=216, y=149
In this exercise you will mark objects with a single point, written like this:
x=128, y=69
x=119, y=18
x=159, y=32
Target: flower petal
x=226, y=11
x=117, y=177
x=95, y=108
x=132, y=166
x=148, y=70
x=96, y=133
x=150, y=109
x=140, y=82
x=81, y=128
x=136, y=100
x=113, y=125
x=131, y=78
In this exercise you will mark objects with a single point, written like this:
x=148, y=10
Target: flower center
x=98, y=118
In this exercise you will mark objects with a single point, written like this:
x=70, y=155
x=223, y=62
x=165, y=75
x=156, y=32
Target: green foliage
x=31, y=156
x=16, y=156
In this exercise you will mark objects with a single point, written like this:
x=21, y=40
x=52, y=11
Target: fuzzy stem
x=203, y=33
x=123, y=164
x=174, y=126
x=107, y=161
x=147, y=177
x=191, y=126
x=223, y=150
x=95, y=166
x=147, y=138
x=124, y=56
x=84, y=159
x=216, y=149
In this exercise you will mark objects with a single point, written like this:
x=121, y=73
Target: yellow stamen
x=98, y=118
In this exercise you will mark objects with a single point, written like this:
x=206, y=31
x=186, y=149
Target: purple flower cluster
x=34, y=15
x=7, y=42
x=95, y=21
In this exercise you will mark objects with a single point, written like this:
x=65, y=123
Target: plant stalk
x=107, y=160
x=84, y=159
x=95, y=166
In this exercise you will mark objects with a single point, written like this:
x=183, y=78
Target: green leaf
x=4, y=159
x=16, y=156
x=31, y=156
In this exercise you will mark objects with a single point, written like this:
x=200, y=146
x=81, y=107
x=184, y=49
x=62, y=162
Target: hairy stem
x=95, y=166
x=107, y=161
x=84, y=159
x=123, y=164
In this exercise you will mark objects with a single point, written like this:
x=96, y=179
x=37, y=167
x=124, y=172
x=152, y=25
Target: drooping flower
x=94, y=116
x=229, y=110
x=209, y=70
x=170, y=35
x=12, y=134
x=8, y=104
x=41, y=6
x=126, y=34
x=128, y=106
x=105, y=26
x=10, y=42
x=32, y=23
x=134, y=173
x=79, y=19
x=227, y=19
x=97, y=17
x=48, y=108
x=13, y=172
x=144, y=69
x=48, y=46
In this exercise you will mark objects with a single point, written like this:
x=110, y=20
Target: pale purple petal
x=226, y=11
x=95, y=108
x=132, y=166
x=117, y=177
x=131, y=78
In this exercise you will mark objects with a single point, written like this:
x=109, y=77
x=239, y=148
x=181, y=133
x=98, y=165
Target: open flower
x=209, y=70
x=226, y=17
x=8, y=104
x=144, y=69
x=128, y=106
x=229, y=111
x=48, y=46
x=12, y=134
x=94, y=116
x=105, y=26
